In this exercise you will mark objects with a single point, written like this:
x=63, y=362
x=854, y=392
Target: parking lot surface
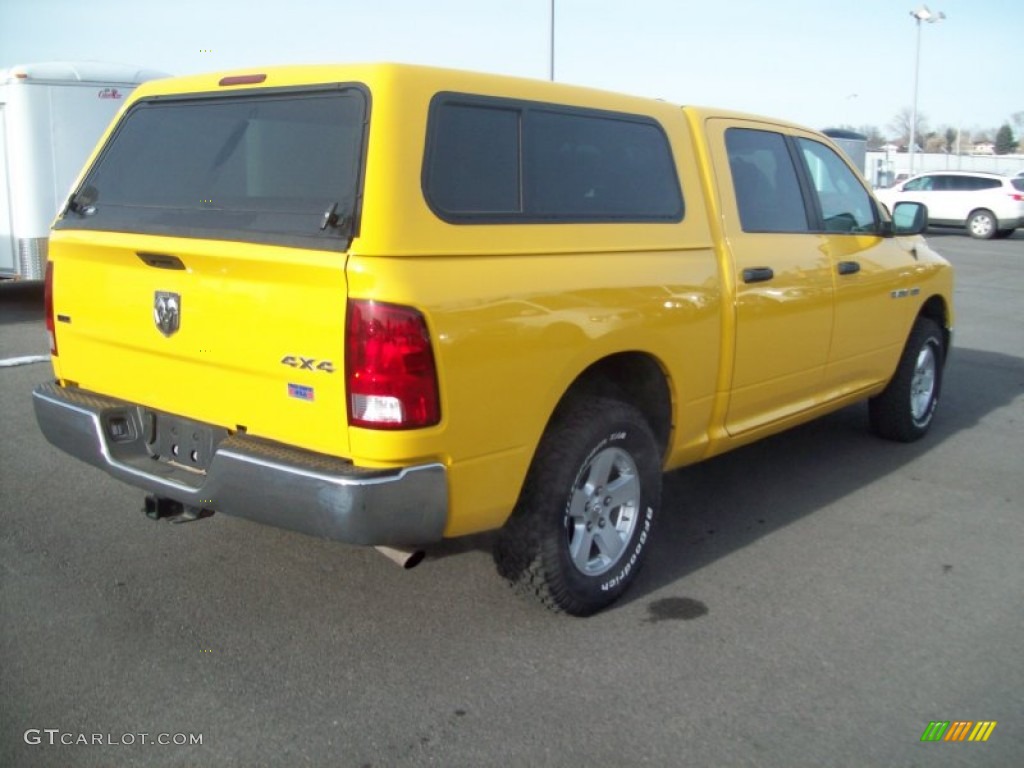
x=815, y=599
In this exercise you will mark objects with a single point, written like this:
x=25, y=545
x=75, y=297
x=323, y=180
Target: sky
x=822, y=63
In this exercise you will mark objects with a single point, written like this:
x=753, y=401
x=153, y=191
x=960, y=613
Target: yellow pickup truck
x=389, y=305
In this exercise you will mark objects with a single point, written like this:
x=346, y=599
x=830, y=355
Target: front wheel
x=904, y=410
x=982, y=225
x=583, y=522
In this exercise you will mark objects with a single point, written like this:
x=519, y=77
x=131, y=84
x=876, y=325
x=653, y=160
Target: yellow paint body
x=516, y=312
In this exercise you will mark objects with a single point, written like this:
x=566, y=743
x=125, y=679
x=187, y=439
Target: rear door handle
x=758, y=274
x=849, y=267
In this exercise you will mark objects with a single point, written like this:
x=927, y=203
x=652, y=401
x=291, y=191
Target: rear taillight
x=51, y=329
x=389, y=368
x=1018, y=196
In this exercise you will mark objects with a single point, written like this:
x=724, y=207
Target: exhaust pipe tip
x=160, y=508
x=404, y=558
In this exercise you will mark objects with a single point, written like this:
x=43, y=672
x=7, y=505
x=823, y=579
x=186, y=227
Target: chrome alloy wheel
x=922, y=385
x=603, y=511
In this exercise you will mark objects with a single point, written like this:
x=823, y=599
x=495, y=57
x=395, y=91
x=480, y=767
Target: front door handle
x=758, y=274
x=849, y=267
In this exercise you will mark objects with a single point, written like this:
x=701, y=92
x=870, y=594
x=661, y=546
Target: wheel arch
x=982, y=209
x=636, y=378
x=937, y=309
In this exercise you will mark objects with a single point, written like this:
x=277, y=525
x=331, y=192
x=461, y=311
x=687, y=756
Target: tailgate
x=199, y=266
x=247, y=337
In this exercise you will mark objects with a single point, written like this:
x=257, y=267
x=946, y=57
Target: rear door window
x=765, y=180
x=920, y=184
x=980, y=182
x=274, y=167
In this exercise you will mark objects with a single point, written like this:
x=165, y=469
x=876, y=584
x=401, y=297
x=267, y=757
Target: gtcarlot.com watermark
x=55, y=736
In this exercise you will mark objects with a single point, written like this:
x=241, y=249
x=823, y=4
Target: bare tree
x=901, y=125
x=875, y=138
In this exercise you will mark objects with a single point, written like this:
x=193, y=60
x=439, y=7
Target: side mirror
x=909, y=219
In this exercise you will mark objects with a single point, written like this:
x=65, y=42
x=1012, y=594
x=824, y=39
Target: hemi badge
x=902, y=293
x=301, y=392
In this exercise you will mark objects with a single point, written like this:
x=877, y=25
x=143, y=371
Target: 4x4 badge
x=167, y=311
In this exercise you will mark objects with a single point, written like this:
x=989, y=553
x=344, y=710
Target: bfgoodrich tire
x=904, y=410
x=583, y=522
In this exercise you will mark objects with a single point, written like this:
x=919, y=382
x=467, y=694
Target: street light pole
x=921, y=14
x=551, y=47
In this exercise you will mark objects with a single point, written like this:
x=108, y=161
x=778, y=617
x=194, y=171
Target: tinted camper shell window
x=267, y=167
x=499, y=160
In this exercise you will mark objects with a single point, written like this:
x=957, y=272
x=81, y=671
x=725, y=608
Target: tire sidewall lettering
x=613, y=438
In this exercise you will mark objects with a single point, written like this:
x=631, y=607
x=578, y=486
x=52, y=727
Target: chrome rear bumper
x=253, y=478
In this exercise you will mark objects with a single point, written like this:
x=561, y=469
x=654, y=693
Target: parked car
x=987, y=204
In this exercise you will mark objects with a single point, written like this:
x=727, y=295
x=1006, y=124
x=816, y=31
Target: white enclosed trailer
x=51, y=116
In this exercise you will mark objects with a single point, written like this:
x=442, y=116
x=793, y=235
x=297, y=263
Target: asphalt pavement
x=816, y=599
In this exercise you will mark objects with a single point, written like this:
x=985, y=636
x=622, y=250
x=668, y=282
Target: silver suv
x=987, y=204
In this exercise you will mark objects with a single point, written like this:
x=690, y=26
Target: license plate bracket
x=180, y=441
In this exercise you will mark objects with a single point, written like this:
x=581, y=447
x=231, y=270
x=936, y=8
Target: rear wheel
x=904, y=410
x=583, y=521
x=982, y=224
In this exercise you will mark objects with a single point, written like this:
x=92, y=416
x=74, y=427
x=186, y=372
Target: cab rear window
x=499, y=160
x=273, y=167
